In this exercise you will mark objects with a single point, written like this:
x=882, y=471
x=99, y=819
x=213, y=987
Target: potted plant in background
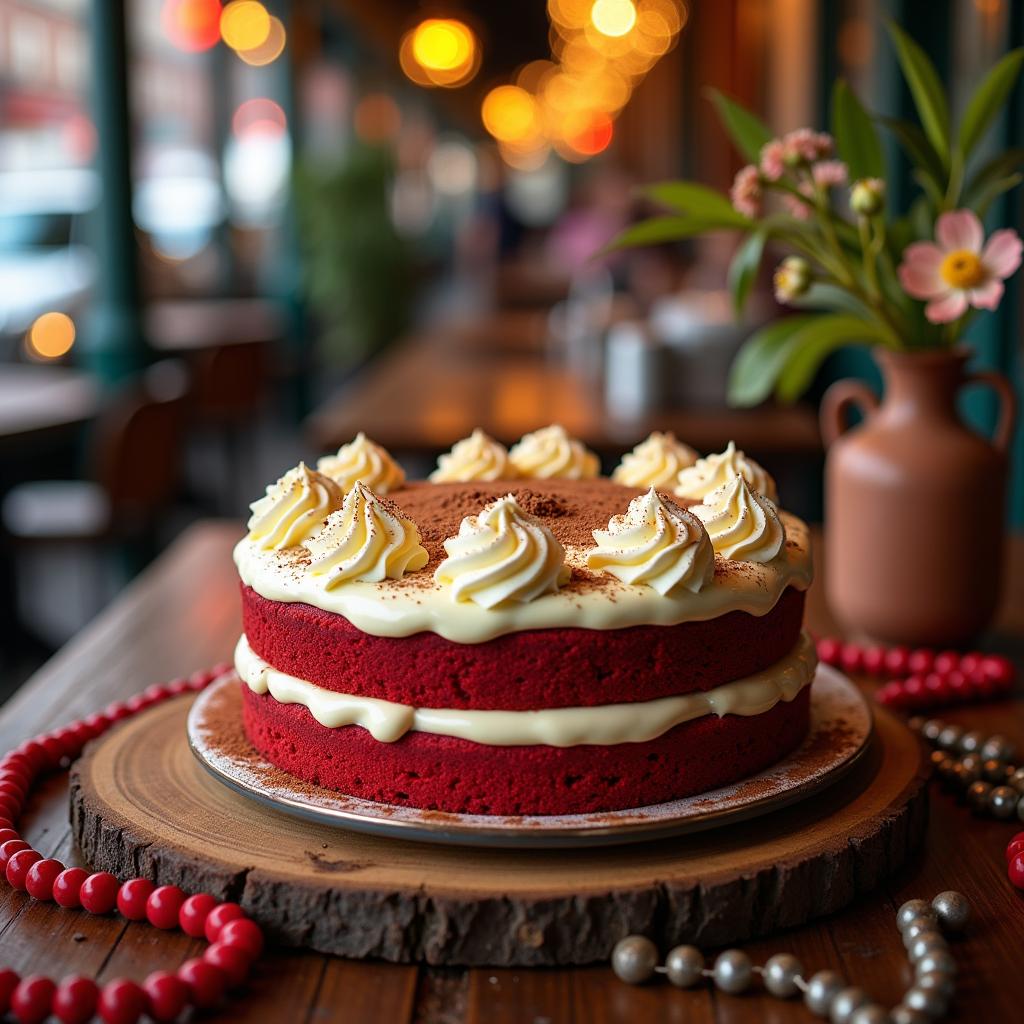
x=915, y=501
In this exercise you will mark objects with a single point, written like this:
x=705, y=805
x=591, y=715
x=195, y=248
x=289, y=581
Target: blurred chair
x=134, y=464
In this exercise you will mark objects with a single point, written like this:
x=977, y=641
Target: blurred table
x=427, y=393
x=35, y=400
x=183, y=615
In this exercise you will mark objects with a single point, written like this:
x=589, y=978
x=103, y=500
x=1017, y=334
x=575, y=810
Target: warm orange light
x=272, y=47
x=510, y=114
x=376, y=118
x=613, y=17
x=192, y=25
x=51, y=336
x=258, y=116
x=595, y=138
x=440, y=52
x=244, y=24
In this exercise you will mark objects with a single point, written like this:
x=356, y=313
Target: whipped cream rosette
x=502, y=555
x=711, y=472
x=655, y=462
x=367, y=539
x=656, y=543
x=293, y=508
x=551, y=452
x=742, y=525
x=477, y=457
x=363, y=459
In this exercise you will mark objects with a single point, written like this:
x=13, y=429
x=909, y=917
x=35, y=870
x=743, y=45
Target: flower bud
x=792, y=278
x=867, y=196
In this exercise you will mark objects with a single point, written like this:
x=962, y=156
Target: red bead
x=998, y=669
x=34, y=753
x=10, y=806
x=891, y=695
x=193, y=912
x=9, y=849
x=206, y=983
x=218, y=917
x=959, y=686
x=122, y=1002
x=18, y=865
x=969, y=662
x=937, y=688
x=40, y=878
x=913, y=687
x=69, y=740
x=946, y=661
x=132, y=897
x=168, y=995
x=896, y=659
x=97, y=724
x=1015, y=870
x=8, y=983
x=851, y=658
x=829, y=650
x=157, y=692
x=874, y=660
x=229, y=959
x=98, y=894
x=6, y=834
x=54, y=750
x=920, y=661
x=1014, y=847
x=163, y=906
x=12, y=790
x=198, y=681
x=75, y=1000
x=177, y=686
x=245, y=934
x=984, y=687
x=136, y=704
x=31, y=1000
x=67, y=887
x=117, y=711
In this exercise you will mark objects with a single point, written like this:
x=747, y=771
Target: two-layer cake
x=520, y=636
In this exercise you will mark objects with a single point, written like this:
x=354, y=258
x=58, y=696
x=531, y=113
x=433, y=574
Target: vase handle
x=839, y=397
x=1007, y=405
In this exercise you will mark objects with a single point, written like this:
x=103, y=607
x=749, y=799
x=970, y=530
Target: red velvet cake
x=520, y=636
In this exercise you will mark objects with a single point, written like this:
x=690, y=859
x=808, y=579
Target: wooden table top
x=35, y=399
x=428, y=392
x=183, y=614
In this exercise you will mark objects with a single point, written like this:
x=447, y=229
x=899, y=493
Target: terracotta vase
x=915, y=503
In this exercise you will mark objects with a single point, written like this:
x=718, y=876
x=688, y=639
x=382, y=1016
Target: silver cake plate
x=839, y=736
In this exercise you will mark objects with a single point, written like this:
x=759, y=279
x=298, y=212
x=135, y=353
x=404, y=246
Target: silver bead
x=911, y=910
x=870, y=1013
x=1002, y=801
x=634, y=959
x=925, y=943
x=903, y=1014
x=932, y=728
x=949, y=738
x=1017, y=780
x=918, y=926
x=996, y=772
x=733, y=971
x=926, y=1000
x=941, y=983
x=780, y=974
x=972, y=761
x=966, y=774
x=845, y=1002
x=971, y=742
x=821, y=990
x=998, y=748
x=938, y=962
x=683, y=965
x=977, y=795
x=954, y=910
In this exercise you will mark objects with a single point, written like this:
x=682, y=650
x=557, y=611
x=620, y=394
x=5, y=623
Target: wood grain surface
x=183, y=615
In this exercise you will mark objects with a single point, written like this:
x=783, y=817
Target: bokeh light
x=440, y=52
x=259, y=116
x=192, y=25
x=270, y=49
x=613, y=18
x=509, y=113
x=51, y=336
x=244, y=24
x=377, y=118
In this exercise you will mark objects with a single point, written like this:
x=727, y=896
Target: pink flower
x=830, y=172
x=746, y=192
x=797, y=207
x=958, y=271
x=773, y=164
x=827, y=173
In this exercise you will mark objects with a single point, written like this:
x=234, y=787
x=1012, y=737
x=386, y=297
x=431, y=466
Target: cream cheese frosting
x=367, y=539
x=656, y=543
x=742, y=525
x=655, y=462
x=708, y=474
x=293, y=508
x=502, y=555
x=604, y=724
x=363, y=459
x=551, y=452
x=477, y=457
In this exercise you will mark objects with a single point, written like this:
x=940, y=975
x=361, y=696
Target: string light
x=509, y=113
x=439, y=52
x=613, y=17
x=192, y=25
x=270, y=49
x=51, y=336
x=244, y=25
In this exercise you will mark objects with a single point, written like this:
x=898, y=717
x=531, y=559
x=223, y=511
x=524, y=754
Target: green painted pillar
x=113, y=344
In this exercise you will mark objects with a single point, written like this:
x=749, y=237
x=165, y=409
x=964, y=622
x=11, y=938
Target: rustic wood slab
x=141, y=804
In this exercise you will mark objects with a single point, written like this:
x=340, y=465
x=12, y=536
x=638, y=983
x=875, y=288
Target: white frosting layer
x=417, y=603
x=604, y=724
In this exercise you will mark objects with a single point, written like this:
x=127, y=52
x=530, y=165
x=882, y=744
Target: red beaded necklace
x=235, y=940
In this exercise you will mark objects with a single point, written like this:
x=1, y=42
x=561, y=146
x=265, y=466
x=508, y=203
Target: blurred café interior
x=233, y=235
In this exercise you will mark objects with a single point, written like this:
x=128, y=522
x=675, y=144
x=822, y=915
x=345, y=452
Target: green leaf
x=743, y=269
x=925, y=87
x=994, y=191
x=814, y=342
x=666, y=229
x=1000, y=166
x=747, y=131
x=918, y=149
x=759, y=362
x=830, y=297
x=689, y=197
x=988, y=99
x=856, y=138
